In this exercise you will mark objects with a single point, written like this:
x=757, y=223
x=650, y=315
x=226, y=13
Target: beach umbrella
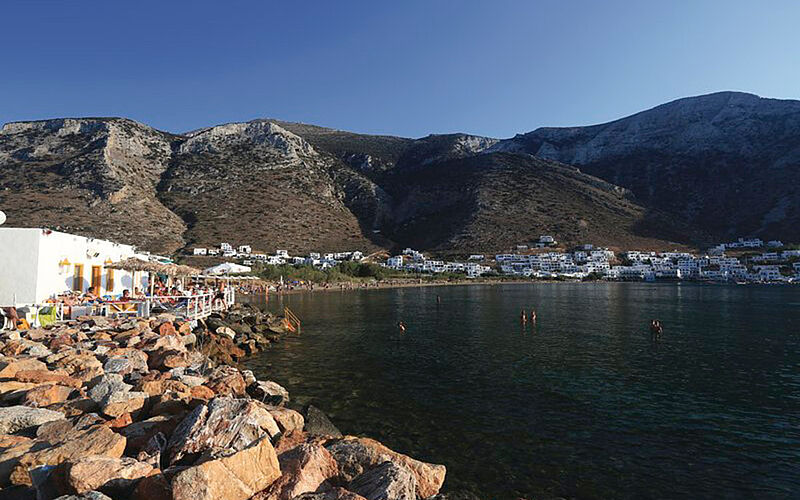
x=227, y=268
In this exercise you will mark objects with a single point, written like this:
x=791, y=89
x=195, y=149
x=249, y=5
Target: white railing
x=192, y=307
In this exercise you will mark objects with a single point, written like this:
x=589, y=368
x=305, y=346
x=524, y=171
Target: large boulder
x=288, y=420
x=46, y=395
x=103, y=473
x=356, y=455
x=305, y=468
x=268, y=392
x=236, y=476
x=10, y=366
x=18, y=418
x=97, y=440
x=46, y=376
x=226, y=381
x=222, y=424
x=387, y=481
x=318, y=424
x=119, y=403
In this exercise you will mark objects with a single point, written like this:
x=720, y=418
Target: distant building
x=245, y=249
x=225, y=247
x=200, y=251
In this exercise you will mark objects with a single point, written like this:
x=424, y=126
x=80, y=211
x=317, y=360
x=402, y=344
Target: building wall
x=30, y=265
x=54, y=278
x=19, y=252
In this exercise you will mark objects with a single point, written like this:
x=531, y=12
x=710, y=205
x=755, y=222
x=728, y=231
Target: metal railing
x=291, y=320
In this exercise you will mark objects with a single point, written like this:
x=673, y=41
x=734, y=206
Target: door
x=77, y=278
x=110, y=281
x=96, y=279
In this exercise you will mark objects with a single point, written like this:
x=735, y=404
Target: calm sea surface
x=583, y=405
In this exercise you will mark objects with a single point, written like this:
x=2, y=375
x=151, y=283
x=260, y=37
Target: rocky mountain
x=688, y=172
x=728, y=163
x=94, y=176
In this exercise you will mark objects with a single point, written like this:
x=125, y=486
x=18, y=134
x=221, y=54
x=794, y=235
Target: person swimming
x=401, y=326
x=656, y=329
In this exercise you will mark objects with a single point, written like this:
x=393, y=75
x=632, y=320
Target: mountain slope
x=728, y=163
x=93, y=176
x=495, y=201
x=259, y=183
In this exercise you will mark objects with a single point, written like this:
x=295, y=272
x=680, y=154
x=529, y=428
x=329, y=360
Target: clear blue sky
x=405, y=68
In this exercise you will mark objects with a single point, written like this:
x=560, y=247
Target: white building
x=199, y=251
x=245, y=249
x=37, y=264
x=225, y=247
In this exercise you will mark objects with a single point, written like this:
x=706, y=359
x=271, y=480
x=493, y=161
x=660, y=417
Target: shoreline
x=156, y=409
x=387, y=286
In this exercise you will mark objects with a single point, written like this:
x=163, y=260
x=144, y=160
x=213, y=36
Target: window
x=77, y=278
x=96, y=278
x=110, y=280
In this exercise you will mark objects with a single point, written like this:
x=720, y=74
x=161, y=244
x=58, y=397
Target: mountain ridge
x=678, y=171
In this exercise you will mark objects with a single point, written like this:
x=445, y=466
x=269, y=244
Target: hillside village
x=756, y=262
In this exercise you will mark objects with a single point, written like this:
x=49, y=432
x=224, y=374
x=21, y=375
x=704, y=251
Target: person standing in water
x=656, y=329
x=438, y=299
x=523, y=318
x=401, y=326
x=533, y=316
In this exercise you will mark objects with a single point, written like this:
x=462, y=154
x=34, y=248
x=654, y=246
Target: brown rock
x=233, y=477
x=306, y=468
x=92, y=473
x=292, y=439
x=9, y=458
x=97, y=440
x=117, y=403
x=46, y=376
x=10, y=367
x=151, y=387
x=202, y=392
x=355, y=455
x=288, y=420
x=54, y=431
x=76, y=407
x=46, y=395
x=226, y=381
x=123, y=420
x=166, y=329
x=12, y=348
x=74, y=362
x=61, y=341
x=175, y=386
x=170, y=403
x=9, y=441
x=12, y=390
x=153, y=487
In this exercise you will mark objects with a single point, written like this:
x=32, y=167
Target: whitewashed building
x=37, y=264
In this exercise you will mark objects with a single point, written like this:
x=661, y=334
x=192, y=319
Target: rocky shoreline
x=151, y=409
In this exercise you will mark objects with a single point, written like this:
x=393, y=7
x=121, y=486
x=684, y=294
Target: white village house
x=37, y=264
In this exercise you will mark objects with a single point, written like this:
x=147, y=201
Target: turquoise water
x=583, y=405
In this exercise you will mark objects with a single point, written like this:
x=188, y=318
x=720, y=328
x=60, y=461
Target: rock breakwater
x=153, y=408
